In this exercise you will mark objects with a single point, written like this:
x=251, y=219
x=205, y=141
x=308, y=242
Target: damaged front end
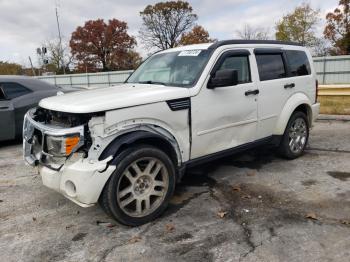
x=50, y=138
x=59, y=143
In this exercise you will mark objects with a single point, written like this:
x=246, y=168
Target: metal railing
x=329, y=69
x=102, y=79
x=333, y=69
x=334, y=99
x=334, y=90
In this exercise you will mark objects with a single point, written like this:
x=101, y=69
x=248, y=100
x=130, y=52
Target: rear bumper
x=82, y=182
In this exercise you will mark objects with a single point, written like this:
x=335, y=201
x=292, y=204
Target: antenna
x=60, y=38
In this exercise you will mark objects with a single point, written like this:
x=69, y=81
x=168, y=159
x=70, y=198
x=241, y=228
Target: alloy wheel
x=297, y=135
x=143, y=187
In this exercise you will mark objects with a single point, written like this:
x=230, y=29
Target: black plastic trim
x=238, y=41
x=129, y=138
x=227, y=152
x=179, y=104
x=252, y=92
x=266, y=51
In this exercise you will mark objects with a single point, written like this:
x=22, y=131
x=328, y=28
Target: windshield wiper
x=152, y=82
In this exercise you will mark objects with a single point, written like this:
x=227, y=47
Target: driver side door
x=225, y=117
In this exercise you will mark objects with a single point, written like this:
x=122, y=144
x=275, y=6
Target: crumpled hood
x=109, y=98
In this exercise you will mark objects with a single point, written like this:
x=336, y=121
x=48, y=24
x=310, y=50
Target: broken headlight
x=62, y=146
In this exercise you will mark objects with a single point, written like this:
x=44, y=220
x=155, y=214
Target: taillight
x=316, y=96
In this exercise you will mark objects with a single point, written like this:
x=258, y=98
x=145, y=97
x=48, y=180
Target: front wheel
x=295, y=136
x=141, y=186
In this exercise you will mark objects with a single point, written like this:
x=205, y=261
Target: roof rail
x=241, y=41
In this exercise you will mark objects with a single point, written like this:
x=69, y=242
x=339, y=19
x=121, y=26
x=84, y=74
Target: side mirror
x=224, y=77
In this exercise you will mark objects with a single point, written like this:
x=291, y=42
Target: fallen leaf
x=246, y=196
x=34, y=219
x=181, y=198
x=69, y=226
x=311, y=215
x=345, y=222
x=236, y=188
x=134, y=239
x=222, y=214
x=169, y=228
x=251, y=173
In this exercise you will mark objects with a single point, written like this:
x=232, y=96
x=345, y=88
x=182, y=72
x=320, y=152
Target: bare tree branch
x=250, y=33
x=164, y=23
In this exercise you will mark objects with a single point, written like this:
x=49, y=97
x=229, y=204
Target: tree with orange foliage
x=337, y=28
x=100, y=46
x=197, y=35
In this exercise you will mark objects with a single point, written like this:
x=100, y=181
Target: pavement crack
x=247, y=233
x=328, y=150
x=110, y=250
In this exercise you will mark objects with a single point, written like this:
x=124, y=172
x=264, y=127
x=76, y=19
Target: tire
x=295, y=137
x=140, y=188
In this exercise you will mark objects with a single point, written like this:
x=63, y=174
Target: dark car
x=17, y=95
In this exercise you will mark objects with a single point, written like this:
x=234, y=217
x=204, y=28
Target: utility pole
x=31, y=65
x=60, y=40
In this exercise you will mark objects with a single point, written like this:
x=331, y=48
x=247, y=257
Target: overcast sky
x=25, y=24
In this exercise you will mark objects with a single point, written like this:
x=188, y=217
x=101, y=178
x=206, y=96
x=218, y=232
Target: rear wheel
x=141, y=186
x=295, y=136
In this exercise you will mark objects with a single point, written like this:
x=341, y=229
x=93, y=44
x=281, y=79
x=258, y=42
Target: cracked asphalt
x=253, y=206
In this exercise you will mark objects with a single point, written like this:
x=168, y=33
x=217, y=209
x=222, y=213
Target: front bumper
x=82, y=182
x=79, y=179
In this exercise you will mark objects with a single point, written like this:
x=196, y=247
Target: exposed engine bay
x=62, y=119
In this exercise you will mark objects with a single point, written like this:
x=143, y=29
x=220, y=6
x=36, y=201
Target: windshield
x=181, y=68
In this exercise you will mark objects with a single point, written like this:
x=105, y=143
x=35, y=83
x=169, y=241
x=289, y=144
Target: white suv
x=126, y=146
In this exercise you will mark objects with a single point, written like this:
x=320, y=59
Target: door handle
x=4, y=107
x=252, y=92
x=289, y=85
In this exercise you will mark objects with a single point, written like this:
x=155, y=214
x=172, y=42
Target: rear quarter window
x=13, y=90
x=298, y=63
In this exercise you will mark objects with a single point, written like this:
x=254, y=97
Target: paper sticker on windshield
x=190, y=53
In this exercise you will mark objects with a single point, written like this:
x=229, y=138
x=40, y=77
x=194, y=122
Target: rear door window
x=298, y=63
x=13, y=90
x=270, y=66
